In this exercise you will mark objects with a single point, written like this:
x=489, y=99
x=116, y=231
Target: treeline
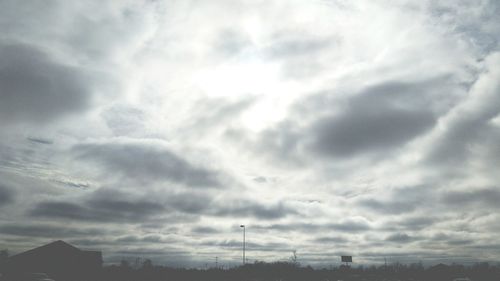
x=289, y=271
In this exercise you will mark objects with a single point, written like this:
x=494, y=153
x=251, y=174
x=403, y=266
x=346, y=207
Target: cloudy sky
x=155, y=128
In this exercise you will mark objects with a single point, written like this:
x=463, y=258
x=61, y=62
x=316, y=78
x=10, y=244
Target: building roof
x=58, y=246
x=58, y=259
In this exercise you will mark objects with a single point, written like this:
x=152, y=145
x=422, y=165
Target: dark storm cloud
x=146, y=162
x=6, y=196
x=486, y=198
x=35, y=88
x=48, y=231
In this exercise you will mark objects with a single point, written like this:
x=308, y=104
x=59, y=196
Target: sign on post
x=346, y=258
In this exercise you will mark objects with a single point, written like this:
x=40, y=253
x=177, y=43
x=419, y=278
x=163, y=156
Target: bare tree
x=293, y=258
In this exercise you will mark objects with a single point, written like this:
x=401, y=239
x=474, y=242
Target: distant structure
x=346, y=259
x=59, y=260
x=442, y=272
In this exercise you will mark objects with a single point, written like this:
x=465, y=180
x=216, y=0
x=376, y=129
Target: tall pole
x=243, y=226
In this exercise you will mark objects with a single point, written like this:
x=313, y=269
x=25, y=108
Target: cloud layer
x=157, y=128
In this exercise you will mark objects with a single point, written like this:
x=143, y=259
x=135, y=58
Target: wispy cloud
x=368, y=126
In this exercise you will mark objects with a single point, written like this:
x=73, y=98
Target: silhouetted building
x=59, y=260
x=440, y=272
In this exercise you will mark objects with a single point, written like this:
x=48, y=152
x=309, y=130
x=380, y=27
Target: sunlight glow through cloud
x=327, y=127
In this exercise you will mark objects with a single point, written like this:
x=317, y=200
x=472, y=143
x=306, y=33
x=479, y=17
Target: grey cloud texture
x=48, y=230
x=381, y=118
x=399, y=238
x=6, y=196
x=36, y=88
x=348, y=226
x=209, y=113
x=147, y=162
x=158, y=127
x=295, y=47
x=238, y=208
x=418, y=222
x=469, y=124
x=40, y=140
x=378, y=119
x=365, y=131
x=331, y=240
x=99, y=210
x=487, y=198
x=115, y=206
x=464, y=19
x=123, y=120
x=204, y=230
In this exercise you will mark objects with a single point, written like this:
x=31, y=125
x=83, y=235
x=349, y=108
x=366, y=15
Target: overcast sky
x=155, y=128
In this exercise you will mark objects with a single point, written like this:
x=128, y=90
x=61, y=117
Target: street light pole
x=243, y=226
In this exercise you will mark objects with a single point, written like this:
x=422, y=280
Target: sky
x=154, y=129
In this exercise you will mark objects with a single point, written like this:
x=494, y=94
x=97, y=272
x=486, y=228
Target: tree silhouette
x=147, y=264
x=4, y=256
x=294, y=258
x=125, y=264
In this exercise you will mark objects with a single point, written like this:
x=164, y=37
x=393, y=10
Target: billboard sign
x=346, y=258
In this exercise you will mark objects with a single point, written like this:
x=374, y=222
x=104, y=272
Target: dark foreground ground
x=293, y=272
x=285, y=271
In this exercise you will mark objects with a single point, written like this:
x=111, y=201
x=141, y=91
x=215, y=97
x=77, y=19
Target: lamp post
x=243, y=226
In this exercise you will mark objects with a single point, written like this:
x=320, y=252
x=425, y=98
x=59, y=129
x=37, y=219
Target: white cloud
x=355, y=119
